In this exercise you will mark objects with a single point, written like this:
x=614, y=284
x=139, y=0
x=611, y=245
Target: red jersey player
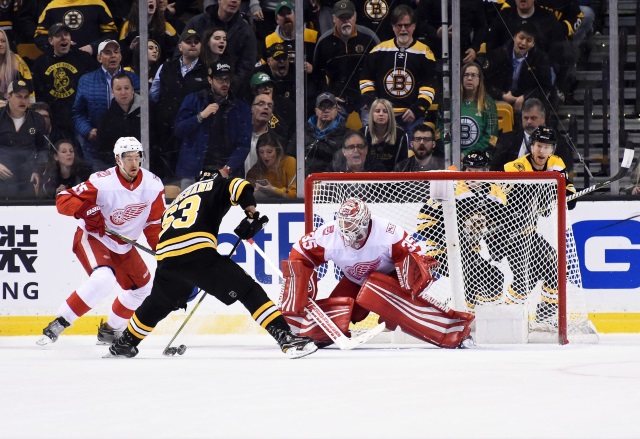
x=125, y=199
x=368, y=249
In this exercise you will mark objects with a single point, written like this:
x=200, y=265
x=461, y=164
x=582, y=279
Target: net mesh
x=496, y=240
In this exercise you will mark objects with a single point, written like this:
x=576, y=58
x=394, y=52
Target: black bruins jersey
x=404, y=76
x=193, y=220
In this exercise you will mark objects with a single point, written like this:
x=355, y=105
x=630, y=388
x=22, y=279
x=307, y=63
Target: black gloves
x=251, y=225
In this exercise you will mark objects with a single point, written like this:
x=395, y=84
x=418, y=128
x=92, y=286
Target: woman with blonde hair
x=12, y=67
x=274, y=175
x=387, y=142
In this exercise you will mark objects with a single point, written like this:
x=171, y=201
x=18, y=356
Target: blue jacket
x=92, y=100
x=195, y=135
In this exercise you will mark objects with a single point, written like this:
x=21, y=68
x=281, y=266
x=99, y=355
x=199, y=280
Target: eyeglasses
x=471, y=75
x=358, y=146
x=222, y=79
x=344, y=17
x=264, y=104
x=423, y=139
x=403, y=25
x=325, y=107
x=192, y=42
x=284, y=12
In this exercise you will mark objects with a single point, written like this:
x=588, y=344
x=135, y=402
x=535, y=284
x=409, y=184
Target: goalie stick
x=627, y=159
x=167, y=350
x=315, y=313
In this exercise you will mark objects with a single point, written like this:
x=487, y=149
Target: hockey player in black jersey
x=187, y=257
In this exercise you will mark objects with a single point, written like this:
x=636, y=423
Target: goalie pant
x=420, y=317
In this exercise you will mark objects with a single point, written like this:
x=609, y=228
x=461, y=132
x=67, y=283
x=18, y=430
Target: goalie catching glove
x=92, y=216
x=251, y=225
x=414, y=273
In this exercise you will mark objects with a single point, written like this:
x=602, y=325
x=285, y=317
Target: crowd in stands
x=222, y=90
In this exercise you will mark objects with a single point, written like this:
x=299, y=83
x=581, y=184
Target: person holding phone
x=274, y=175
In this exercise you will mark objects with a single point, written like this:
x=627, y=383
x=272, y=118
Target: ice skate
x=106, y=334
x=293, y=345
x=546, y=318
x=52, y=331
x=467, y=343
x=123, y=347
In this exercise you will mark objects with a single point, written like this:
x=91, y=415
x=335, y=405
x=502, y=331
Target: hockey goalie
x=383, y=272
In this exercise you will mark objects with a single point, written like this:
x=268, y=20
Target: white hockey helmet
x=127, y=144
x=353, y=218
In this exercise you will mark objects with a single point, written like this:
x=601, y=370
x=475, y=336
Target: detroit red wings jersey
x=128, y=207
x=387, y=243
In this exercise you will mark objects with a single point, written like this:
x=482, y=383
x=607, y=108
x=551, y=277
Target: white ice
x=244, y=387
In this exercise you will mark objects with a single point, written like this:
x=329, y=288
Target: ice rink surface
x=244, y=387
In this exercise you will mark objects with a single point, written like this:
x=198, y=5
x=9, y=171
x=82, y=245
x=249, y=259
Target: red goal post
x=510, y=243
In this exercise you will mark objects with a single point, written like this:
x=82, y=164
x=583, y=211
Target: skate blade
x=104, y=343
x=309, y=349
x=110, y=355
x=44, y=340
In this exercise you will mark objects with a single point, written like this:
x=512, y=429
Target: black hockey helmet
x=476, y=160
x=545, y=135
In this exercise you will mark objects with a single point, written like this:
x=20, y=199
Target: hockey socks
x=137, y=330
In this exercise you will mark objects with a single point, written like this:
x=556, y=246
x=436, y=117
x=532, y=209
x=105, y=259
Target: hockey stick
x=130, y=241
x=168, y=350
x=315, y=313
x=627, y=159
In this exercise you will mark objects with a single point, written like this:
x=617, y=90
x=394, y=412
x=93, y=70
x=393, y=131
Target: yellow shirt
x=284, y=181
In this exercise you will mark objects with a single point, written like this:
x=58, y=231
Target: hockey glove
x=251, y=225
x=92, y=216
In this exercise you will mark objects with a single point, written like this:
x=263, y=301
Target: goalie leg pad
x=338, y=309
x=383, y=295
x=346, y=288
x=300, y=283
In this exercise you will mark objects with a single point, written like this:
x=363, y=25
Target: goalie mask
x=353, y=221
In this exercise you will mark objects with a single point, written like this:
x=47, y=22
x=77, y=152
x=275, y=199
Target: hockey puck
x=181, y=349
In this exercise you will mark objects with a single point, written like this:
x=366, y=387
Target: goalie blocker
x=403, y=303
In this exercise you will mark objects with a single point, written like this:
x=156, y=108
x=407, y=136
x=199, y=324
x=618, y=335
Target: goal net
x=499, y=238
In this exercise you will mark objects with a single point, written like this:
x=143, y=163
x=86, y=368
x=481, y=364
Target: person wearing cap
x=94, y=96
x=174, y=80
x=339, y=57
x=285, y=33
x=401, y=70
x=56, y=75
x=283, y=118
x=215, y=129
x=23, y=148
x=241, y=39
x=90, y=23
x=323, y=135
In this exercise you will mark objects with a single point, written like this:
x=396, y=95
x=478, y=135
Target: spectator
x=173, y=11
x=516, y=144
x=57, y=73
x=376, y=16
x=401, y=70
x=323, y=135
x=174, y=80
x=63, y=170
x=261, y=117
x=94, y=96
x=214, y=46
x=52, y=133
x=518, y=70
x=263, y=16
x=153, y=59
x=386, y=142
x=240, y=37
x=159, y=31
x=278, y=68
x=215, y=129
x=473, y=27
x=423, y=144
x=339, y=58
x=90, y=24
x=274, y=174
x=22, y=145
x=122, y=119
x=285, y=34
x=354, y=155
x=12, y=67
x=283, y=118
x=478, y=112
